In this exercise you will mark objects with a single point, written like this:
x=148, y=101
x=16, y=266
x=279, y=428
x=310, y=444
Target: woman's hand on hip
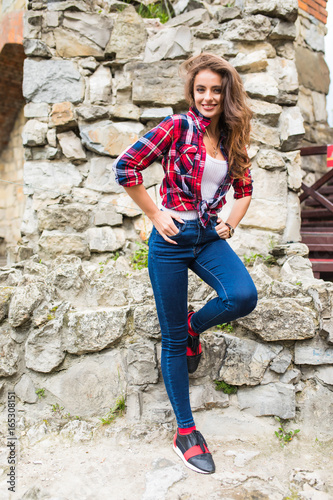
x=221, y=229
x=163, y=222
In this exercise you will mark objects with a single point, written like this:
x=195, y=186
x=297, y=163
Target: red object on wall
x=330, y=155
x=316, y=8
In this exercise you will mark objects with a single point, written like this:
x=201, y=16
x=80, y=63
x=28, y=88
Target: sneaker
x=194, y=349
x=192, y=449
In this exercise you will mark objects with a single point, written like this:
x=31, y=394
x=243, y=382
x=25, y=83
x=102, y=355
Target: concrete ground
x=83, y=460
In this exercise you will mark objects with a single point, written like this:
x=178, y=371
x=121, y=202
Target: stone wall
x=12, y=199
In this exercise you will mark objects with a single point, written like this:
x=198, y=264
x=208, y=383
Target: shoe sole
x=190, y=466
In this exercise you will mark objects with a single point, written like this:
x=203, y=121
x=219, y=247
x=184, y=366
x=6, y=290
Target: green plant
x=282, y=434
x=54, y=308
x=58, y=410
x=249, y=260
x=116, y=411
x=40, y=393
x=116, y=256
x=155, y=10
x=293, y=495
x=220, y=385
x=140, y=257
x=50, y=317
x=226, y=327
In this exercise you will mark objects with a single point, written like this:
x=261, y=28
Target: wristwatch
x=231, y=229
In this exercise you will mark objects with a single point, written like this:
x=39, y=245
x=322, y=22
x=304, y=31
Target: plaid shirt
x=179, y=140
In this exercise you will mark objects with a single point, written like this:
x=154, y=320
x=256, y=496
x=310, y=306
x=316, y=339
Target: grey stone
x=281, y=362
x=245, y=361
x=62, y=216
x=36, y=110
x=161, y=478
x=91, y=113
x=313, y=352
x=263, y=134
x=66, y=272
x=128, y=38
x=306, y=60
x=101, y=177
x=105, y=239
x=155, y=113
x=314, y=36
x=281, y=319
x=288, y=9
x=100, y=84
x=140, y=289
x=206, y=31
x=71, y=44
x=267, y=113
x=170, y=43
x=270, y=160
x=51, y=137
x=34, y=133
x=32, y=24
x=316, y=406
x=187, y=5
x=58, y=5
x=165, y=88
x=44, y=350
x=71, y=146
x=91, y=331
x=54, y=243
x=142, y=364
x=126, y=111
x=5, y=295
x=242, y=457
x=96, y=27
x=110, y=138
x=227, y=13
x=77, y=431
x=24, y=300
x=319, y=106
x=52, y=81
x=9, y=356
x=250, y=63
x=297, y=269
x=192, y=18
x=325, y=374
x=107, y=216
x=52, y=19
x=283, y=31
x=291, y=128
x=272, y=399
x=91, y=385
x=285, y=73
x=292, y=376
x=36, y=48
x=220, y=47
x=261, y=85
x=294, y=169
x=250, y=29
x=146, y=320
x=25, y=389
x=52, y=177
x=206, y=397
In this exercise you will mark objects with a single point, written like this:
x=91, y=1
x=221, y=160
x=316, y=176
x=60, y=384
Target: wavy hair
x=236, y=115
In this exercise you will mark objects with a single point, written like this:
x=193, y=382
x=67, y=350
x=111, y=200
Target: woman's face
x=207, y=92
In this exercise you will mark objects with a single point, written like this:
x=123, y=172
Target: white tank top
x=213, y=175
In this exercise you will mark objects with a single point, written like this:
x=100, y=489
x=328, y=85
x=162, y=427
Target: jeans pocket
x=181, y=228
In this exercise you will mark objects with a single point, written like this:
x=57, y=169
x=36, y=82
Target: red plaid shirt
x=179, y=140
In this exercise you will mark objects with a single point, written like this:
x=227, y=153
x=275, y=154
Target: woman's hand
x=163, y=222
x=221, y=229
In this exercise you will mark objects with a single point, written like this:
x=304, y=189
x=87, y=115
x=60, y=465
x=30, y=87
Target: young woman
x=203, y=154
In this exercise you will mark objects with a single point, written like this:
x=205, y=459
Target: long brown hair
x=236, y=115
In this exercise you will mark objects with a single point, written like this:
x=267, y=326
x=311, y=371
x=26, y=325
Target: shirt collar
x=201, y=121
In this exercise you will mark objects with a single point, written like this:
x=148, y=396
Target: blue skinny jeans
x=212, y=259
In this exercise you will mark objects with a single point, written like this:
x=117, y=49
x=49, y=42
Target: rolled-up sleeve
x=243, y=187
x=142, y=153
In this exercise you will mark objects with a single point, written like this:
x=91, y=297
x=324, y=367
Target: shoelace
x=193, y=343
x=200, y=440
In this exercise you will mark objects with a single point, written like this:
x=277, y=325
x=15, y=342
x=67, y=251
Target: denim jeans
x=212, y=259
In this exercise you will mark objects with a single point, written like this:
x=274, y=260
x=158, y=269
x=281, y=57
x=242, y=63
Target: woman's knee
x=243, y=300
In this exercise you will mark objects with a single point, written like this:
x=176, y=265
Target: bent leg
x=219, y=266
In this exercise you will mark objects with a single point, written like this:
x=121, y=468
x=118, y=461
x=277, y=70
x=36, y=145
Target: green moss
x=220, y=385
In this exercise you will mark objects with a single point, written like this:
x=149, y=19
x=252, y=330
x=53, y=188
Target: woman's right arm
x=162, y=221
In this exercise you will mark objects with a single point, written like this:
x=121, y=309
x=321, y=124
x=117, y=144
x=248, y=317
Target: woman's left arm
x=238, y=211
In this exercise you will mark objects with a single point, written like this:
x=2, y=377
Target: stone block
x=306, y=60
x=153, y=175
x=54, y=243
x=170, y=43
x=250, y=63
x=281, y=362
x=91, y=113
x=105, y=239
x=285, y=73
x=291, y=128
x=25, y=390
x=52, y=81
x=127, y=111
x=100, y=85
x=319, y=106
x=71, y=44
x=62, y=115
x=107, y=216
x=71, y=146
x=63, y=5
x=36, y=48
x=270, y=184
x=270, y=160
x=265, y=112
x=288, y=9
x=305, y=103
x=52, y=19
x=250, y=29
x=293, y=225
x=271, y=399
x=95, y=27
x=155, y=113
x=264, y=134
x=34, y=133
x=36, y=110
x=23, y=302
x=294, y=169
x=110, y=138
x=9, y=355
x=265, y=214
x=142, y=363
x=192, y=18
x=146, y=320
x=64, y=216
x=245, y=361
x=227, y=14
x=93, y=331
x=205, y=397
x=5, y=295
x=261, y=86
x=90, y=386
x=325, y=374
x=313, y=352
x=52, y=137
x=128, y=37
x=53, y=177
x=283, y=31
x=222, y=48
x=101, y=177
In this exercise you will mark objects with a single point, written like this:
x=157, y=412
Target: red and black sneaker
x=192, y=449
x=194, y=349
